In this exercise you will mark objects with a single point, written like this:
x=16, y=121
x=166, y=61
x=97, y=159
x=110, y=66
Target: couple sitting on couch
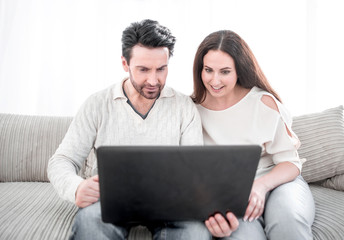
x=236, y=105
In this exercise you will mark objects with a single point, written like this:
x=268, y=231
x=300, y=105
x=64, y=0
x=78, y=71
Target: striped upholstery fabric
x=139, y=233
x=322, y=143
x=33, y=211
x=336, y=182
x=27, y=143
x=329, y=213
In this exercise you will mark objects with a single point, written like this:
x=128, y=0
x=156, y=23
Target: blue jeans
x=288, y=215
x=89, y=225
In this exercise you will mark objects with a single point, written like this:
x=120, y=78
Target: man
x=137, y=111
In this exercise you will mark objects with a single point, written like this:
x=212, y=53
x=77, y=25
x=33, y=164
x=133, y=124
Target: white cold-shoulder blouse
x=250, y=121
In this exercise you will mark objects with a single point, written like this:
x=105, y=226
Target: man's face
x=148, y=70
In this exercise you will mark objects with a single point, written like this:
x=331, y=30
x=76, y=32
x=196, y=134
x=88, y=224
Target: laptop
x=147, y=184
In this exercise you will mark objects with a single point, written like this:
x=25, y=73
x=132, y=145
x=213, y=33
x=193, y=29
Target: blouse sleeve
x=282, y=145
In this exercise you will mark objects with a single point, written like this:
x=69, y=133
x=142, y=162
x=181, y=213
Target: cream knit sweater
x=107, y=119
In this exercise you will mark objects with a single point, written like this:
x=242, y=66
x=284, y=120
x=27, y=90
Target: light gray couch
x=31, y=209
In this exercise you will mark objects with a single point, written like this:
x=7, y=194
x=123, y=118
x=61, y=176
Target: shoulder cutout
x=270, y=102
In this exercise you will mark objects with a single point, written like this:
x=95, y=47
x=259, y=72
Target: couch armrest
x=27, y=143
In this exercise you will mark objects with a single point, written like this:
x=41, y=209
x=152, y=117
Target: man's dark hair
x=147, y=33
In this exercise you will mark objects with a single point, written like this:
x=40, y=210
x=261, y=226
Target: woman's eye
x=225, y=72
x=208, y=70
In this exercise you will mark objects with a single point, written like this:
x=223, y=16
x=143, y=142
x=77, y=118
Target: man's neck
x=139, y=102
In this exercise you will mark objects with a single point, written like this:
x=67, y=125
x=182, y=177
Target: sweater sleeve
x=73, y=151
x=191, y=126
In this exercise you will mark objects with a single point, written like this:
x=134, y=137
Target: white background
x=54, y=54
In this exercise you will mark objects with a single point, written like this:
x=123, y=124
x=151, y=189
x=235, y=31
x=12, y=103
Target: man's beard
x=144, y=89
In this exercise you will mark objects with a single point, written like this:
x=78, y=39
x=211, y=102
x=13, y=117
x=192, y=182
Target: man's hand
x=87, y=192
x=219, y=227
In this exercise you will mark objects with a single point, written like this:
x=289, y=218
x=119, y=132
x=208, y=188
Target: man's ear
x=125, y=64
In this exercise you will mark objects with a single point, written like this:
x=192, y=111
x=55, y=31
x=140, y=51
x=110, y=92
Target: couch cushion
x=27, y=143
x=139, y=233
x=322, y=143
x=329, y=213
x=335, y=182
x=33, y=211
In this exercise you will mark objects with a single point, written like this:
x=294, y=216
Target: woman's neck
x=227, y=101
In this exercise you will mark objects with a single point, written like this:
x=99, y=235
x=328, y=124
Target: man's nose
x=153, y=79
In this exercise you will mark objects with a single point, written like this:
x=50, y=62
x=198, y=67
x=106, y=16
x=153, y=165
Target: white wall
x=53, y=54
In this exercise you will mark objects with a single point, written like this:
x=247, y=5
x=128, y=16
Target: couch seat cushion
x=33, y=210
x=329, y=213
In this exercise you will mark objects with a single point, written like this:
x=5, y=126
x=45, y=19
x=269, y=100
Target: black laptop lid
x=174, y=183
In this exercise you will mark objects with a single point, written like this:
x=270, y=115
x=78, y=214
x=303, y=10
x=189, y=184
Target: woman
x=238, y=106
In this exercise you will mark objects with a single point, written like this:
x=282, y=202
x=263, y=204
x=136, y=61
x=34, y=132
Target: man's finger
x=85, y=204
x=96, y=178
x=94, y=186
x=91, y=193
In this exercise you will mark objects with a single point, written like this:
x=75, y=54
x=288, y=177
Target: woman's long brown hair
x=247, y=68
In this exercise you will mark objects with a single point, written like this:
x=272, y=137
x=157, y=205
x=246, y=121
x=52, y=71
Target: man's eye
x=143, y=70
x=161, y=69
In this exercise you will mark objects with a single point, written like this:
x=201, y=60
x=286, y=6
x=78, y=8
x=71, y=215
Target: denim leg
x=187, y=230
x=248, y=230
x=89, y=225
x=289, y=211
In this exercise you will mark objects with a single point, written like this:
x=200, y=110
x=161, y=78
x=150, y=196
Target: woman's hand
x=219, y=227
x=256, y=204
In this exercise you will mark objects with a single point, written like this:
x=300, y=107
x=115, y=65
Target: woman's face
x=218, y=74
